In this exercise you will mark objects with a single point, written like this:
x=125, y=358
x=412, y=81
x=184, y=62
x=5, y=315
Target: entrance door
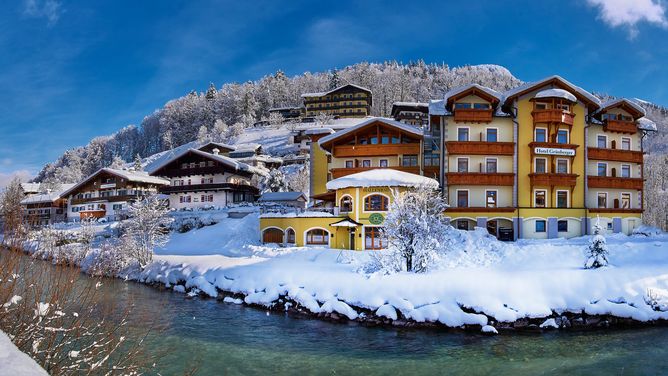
x=491, y=227
x=352, y=240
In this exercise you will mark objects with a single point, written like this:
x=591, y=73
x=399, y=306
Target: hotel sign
x=555, y=151
x=110, y=185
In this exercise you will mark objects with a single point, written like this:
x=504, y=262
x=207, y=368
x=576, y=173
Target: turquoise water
x=222, y=338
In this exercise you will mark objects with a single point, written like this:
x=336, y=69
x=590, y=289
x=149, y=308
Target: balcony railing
x=553, y=179
x=553, y=116
x=477, y=209
x=343, y=171
x=207, y=170
x=480, y=148
x=614, y=182
x=342, y=151
x=615, y=210
x=615, y=155
x=480, y=178
x=208, y=187
x=473, y=115
x=621, y=126
x=77, y=201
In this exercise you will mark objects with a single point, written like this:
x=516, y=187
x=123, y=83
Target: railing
x=342, y=151
x=472, y=115
x=343, y=171
x=614, y=182
x=615, y=210
x=207, y=187
x=553, y=180
x=208, y=170
x=621, y=126
x=617, y=155
x=475, y=209
x=553, y=116
x=77, y=201
x=480, y=178
x=480, y=147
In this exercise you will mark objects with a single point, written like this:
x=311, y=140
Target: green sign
x=376, y=218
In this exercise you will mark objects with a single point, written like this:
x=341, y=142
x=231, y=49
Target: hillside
x=227, y=114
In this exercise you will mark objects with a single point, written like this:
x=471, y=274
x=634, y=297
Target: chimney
x=216, y=151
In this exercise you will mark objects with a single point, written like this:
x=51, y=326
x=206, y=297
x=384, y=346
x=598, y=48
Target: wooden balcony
x=480, y=178
x=377, y=150
x=472, y=115
x=207, y=170
x=208, y=187
x=339, y=172
x=480, y=209
x=553, y=116
x=480, y=148
x=614, y=182
x=77, y=201
x=614, y=210
x=553, y=180
x=620, y=126
x=615, y=155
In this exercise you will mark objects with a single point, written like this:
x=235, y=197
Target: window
x=626, y=171
x=539, y=199
x=481, y=106
x=609, y=226
x=395, y=139
x=210, y=163
x=462, y=165
x=540, y=106
x=385, y=139
x=192, y=164
x=490, y=199
x=626, y=200
x=490, y=165
x=207, y=198
x=116, y=207
x=541, y=135
x=373, y=238
x=185, y=199
x=462, y=105
x=626, y=143
x=373, y=140
x=346, y=204
x=541, y=166
x=492, y=134
x=383, y=163
x=317, y=237
x=562, y=226
x=540, y=225
x=462, y=134
x=375, y=203
x=409, y=160
x=602, y=169
x=184, y=165
x=462, y=199
x=290, y=238
x=462, y=224
x=602, y=200
x=202, y=164
x=562, y=199
x=601, y=142
x=366, y=163
x=201, y=180
x=349, y=164
x=563, y=107
x=562, y=166
x=562, y=136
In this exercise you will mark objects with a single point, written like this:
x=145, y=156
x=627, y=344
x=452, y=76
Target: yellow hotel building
x=542, y=160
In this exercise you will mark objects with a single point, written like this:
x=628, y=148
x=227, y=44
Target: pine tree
x=203, y=135
x=211, y=92
x=597, y=252
x=117, y=163
x=137, y=163
x=275, y=182
x=334, y=80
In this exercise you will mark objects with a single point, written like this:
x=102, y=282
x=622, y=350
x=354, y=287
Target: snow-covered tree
x=299, y=181
x=324, y=119
x=219, y=132
x=203, y=135
x=597, y=252
x=275, y=182
x=275, y=119
x=136, y=164
x=117, y=163
x=415, y=230
x=146, y=228
x=236, y=130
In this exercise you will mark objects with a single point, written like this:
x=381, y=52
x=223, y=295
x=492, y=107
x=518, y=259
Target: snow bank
x=15, y=362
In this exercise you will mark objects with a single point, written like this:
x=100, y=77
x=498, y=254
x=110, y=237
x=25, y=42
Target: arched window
x=376, y=203
x=272, y=235
x=290, y=236
x=317, y=236
x=346, y=204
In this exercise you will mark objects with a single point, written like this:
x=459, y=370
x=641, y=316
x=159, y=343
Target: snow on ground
x=15, y=362
x=508, y=281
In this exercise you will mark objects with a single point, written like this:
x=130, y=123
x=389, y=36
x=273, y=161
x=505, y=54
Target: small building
x=295, y=200
x=359, y=203
x=413, y=113
x=108, y=192
x=30, y=188
x=344, y=101
x=43, y=209
x=197, y=179
x=253, y=155
x=223, y=149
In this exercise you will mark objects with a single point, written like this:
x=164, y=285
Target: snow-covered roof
x=324, y=130
x=382, y=177
x=320, y=94
x=621, y=101
x=646, y=124
x=556, y=93
x=306, y=214
x=285, y=108
x=226, y=161
x=247, y=147
x=30, y=187
x=410, y=104
x=47, y=197
x=133, y=176
x=218, y=144
x=393, y=123
x=461, y=89
x=282, y=196
x=346, y=222
x=546, y=81
x=437, y=107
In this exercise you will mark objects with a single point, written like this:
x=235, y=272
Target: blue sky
x=71, y=70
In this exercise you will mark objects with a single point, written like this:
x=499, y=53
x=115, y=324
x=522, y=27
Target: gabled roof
x=226, y=161
x=30, y=187
x=552, y=81
x=392, y=123
x=382, y=177
x=629, y=106
x=322, y=93
x=133, y=176
x=483, y=92
x=47, y=197
x=219, y=145
x=249, y=147
x=282, y=196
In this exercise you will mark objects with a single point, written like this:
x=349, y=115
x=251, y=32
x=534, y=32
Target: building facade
x=344, y=101
x=413, y=113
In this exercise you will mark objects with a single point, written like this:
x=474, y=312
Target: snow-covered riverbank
x=14, y=362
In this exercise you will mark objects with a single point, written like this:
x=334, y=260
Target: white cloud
x=628, y=13
x=5, y=178
x=49, y=9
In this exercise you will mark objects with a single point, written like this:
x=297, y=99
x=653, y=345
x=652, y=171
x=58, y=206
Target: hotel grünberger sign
x=555, y=151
